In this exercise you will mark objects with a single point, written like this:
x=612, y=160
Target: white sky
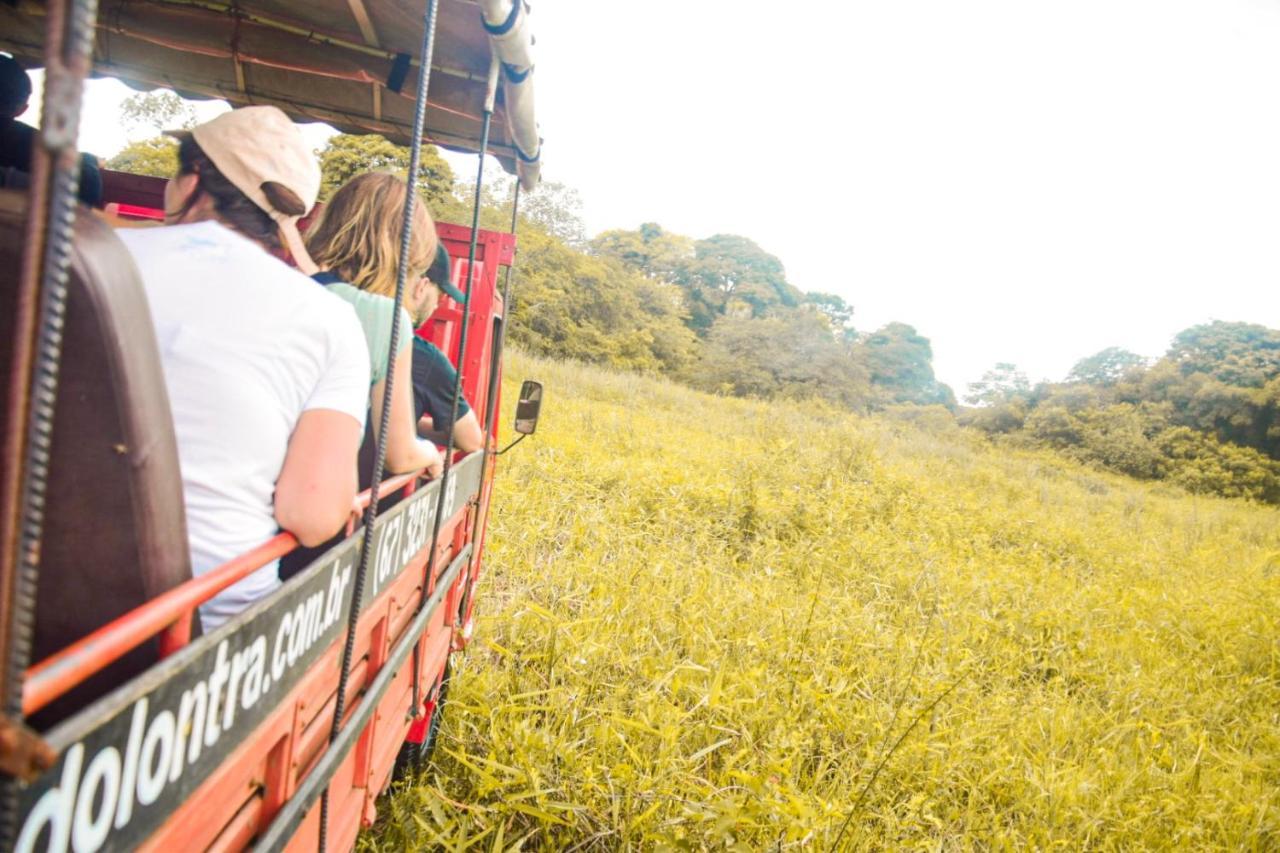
x=1021, y=180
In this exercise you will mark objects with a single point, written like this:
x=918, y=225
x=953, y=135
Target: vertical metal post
x=380, y=455
x=500, y=343
x=490, y=416
x=486, y=122
x=33, y=383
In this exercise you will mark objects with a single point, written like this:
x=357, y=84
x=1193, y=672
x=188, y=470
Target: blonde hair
x=358, y=234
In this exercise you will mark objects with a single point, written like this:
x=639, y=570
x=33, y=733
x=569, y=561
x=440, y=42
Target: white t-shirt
x=248, y=344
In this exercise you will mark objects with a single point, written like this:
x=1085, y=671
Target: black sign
x=128, y=761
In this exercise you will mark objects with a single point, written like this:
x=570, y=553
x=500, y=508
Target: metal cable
x=380, y=454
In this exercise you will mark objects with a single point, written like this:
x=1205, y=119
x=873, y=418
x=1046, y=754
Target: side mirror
x=526, y=412
x=528, y=407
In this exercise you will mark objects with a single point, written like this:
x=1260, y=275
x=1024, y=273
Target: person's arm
x=318, y=481
x=467, y=435
x=404, y=451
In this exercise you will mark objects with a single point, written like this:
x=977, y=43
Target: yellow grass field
x=729, y=625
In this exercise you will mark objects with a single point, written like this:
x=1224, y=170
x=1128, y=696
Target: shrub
x=1200, y=463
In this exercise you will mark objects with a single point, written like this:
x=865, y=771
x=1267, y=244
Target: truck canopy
x=349, y=63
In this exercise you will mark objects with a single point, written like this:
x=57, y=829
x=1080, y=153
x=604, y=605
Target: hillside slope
x=717, y=623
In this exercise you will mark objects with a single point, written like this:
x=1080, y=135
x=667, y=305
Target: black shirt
x=433, y=380
x=18, y=141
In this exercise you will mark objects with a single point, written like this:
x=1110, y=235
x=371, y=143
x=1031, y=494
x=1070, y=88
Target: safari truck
x=123, y=727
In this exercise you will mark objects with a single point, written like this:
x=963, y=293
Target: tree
x=1200, y=463
x=838, y=312
x=1241, y=354
x=557, y=210
x=152, y=112
x=157, y=156
x=649, y=250
x=1002, y=384
x=1107, y=367
x=728, y=269
x=900, y=363
x=574, y=305
x=785, y=354
x=157, y=111
x=347, y=155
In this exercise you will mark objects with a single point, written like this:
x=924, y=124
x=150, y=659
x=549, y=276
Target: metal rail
x=495, y=383
x=59, y=673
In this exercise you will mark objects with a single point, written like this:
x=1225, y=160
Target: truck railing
x=168, y=615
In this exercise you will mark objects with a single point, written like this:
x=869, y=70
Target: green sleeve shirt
x=374, y=313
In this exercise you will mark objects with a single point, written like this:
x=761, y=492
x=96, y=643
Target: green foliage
x=347, y=155
x=635, y=299
x=1200, y=463
x=699, y=629
x=1117, y=437
x=573, y=305
x=1244, y=355
x=651, y=251
x=1206, y=416
x=157, y=111
x=730, y=274
x=723, y=275
x=761, y=336
x=900, y=363
x=832, y=306
x=557, y=210
x=783, y=355
x=157, y=157
x=998, y=418
x=1106, y=367
x=1002, y=384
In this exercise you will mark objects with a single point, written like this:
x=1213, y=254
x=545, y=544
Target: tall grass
x=721, y=624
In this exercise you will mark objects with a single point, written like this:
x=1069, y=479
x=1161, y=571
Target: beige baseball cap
x=253, y=146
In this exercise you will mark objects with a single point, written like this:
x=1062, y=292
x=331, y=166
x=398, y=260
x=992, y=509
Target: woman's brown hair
x=358, y=233
x=232, y=206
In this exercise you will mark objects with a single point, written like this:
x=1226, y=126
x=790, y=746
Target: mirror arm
x=522, y=437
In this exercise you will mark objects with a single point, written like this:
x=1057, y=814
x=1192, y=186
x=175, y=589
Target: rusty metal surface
x=23, y=753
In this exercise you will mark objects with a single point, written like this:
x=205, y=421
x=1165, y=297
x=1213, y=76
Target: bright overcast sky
x=1021, y=180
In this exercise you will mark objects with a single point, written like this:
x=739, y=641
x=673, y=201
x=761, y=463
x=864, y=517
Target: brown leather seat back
x=115, y=531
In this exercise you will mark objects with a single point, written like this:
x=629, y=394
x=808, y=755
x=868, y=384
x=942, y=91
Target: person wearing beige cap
x=268, y=375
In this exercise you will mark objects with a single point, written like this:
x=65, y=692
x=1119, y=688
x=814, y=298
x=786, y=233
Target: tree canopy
x=157, y=157
x=1205, y=416
x=900, y=362
x=157, y=111
x=347, y=155
x=1106, y=367
x=1001, y=384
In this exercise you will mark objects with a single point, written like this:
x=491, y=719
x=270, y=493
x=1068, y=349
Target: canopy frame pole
x=485, y=124
x=33, y=382
x=490, y=416
x=380, y=454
